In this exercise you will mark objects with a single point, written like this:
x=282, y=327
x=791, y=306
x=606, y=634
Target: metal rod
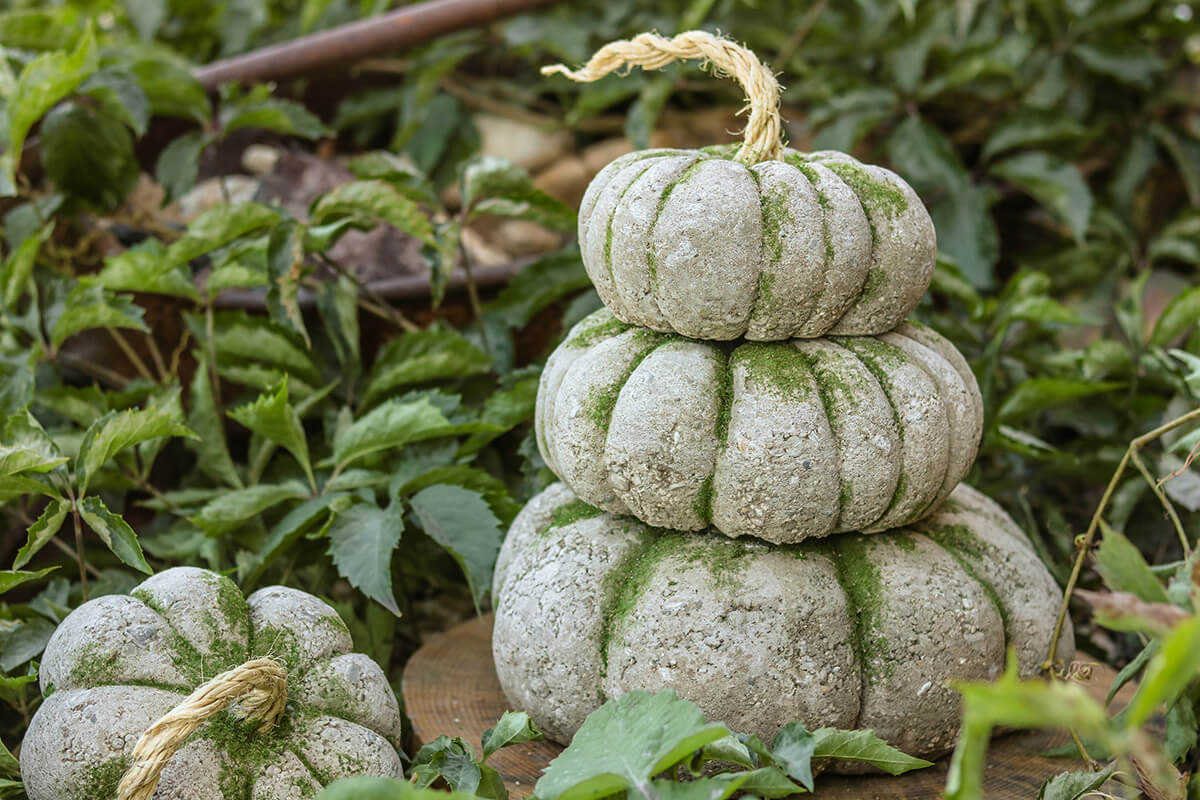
x=355, y=41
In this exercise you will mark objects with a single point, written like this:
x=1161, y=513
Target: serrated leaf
x=171, y=89
x=24, y=643
x=793, y=748
x=115, y=532
x=371, y=201
x=21, y=457
x=1128, y=61
x=271, y=416
x=337, y=302
x=258, y=110
x=18, y=267
x=235, y=507
x=114, y=432
x=391, y=424
x=12, y=578
x=238, y=335
x=461, y=521
x=1038, y=308
x=219, y=226
x=90, y=306
x=179, y=163
x=88, y=154
x=147, y=16
x=1037, y=394
x=1074, y=785
x=43, y=82
x=1124, y=569
x=1180, y=315
x=1031, y=126
x=290, y=527
x=361, y=541
x=212, y=454
x=147, y=268
x=492, y=185
x=1053, y=182
x=513, y=727
x=285, y=266
x=120, y=95
x=624, y=743
x=537, y=285
x=368, y=788
x=864, y=747
x=423, y=356
x=42, y=531
x=505, y=409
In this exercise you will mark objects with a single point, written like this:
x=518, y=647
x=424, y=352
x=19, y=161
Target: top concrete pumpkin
x=696, y=243
x=118, y=663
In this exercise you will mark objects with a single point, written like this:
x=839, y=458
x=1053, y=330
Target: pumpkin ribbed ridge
x=119, y=662
x=782, y=440
x=693, y=242
x=853, y=632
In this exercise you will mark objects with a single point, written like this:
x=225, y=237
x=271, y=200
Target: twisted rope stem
x=763, y=135
x=260, y=686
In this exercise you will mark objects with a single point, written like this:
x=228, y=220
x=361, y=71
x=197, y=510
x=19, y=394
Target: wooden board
x=450, y=687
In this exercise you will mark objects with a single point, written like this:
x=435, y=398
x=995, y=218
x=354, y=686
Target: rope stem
x=763, y=135
x=259, y=686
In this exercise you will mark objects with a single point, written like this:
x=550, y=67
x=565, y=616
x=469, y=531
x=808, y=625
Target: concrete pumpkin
x=698, y=243
x=853, y=632
x=119, y=663
x=782, y=440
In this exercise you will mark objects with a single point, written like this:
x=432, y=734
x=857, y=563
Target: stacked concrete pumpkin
x=760, y=504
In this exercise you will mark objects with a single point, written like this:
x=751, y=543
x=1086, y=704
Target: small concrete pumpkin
x=779, y=440
x=118, y=663
x=852, y=632
x=757, y=241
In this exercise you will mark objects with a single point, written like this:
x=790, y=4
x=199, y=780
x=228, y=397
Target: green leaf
x=235, y=507
x=371, y=201
x=492, y=185
x=624, y=743
x=643, y=114
x=864, y=747
x=271, y=417
x=1037, y=394
x=114, y=432
x=212, y=454
x=147, y=16
x=16, y=381
x=423, y=356
x=285, y=266
x=1037, y=308
x=171, y=89
x=118, y=93
x=1180, y=315
x=43, y=83
x=238, y=336
x=26, y=642
x=505, y=409
x=18, y=267
x=19, y=457
x=115, y=532
x=288, y=529
x=1169, y=672
x=461, y=521
x=1181, y=730
x=793, y=748
x=219, y=226
x=90, y=306
x=147, y=268
x=88, y=154
x=550, y=278
x=12, y=578
x=513, y=727
x=42, y=531
x=1128, y=61
x=256, y=109
x=1031, y=126
x=1124, y=570
x=9, y=767
x=179, y=163
x=1074, y=785
x=368, y=788
x=1053, y=182
x=337, y=302
x=361, y=541
x=1013, y=702
x=389, y=425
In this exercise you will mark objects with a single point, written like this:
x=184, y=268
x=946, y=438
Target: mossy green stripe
x=608, y=229
x=602, y=401
x=618, y=583
x=826, y=209
x=961, y=543
x=862, y=582
x=829, y=385
x=776, y=366
x=651, y=263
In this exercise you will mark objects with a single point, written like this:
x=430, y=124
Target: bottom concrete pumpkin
x=120, y=662
x=852, y=632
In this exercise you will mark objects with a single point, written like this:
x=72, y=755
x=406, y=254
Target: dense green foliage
x=1057, y=145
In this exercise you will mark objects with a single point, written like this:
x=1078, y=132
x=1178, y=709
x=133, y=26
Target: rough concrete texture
x=782, y=440
x=853, y=632
x=692, y=242
x=118, y=663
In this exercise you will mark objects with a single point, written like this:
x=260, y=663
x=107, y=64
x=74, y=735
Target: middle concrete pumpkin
x=784, y=441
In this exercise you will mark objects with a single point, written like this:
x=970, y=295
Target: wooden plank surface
x=450, y=687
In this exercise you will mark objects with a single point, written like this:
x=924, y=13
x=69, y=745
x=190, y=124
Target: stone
x=118, y=663
x=782, y=441
x=854, y=632
x=529, y=146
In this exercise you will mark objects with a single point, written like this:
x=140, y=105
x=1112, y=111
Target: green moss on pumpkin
x=102, y=780
x=776, y=366
x=596, y=333
x=862, y=582
x=776, y=218
x=702, y=504
x=876, y=195
x=602, y=400
x=570, y=513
